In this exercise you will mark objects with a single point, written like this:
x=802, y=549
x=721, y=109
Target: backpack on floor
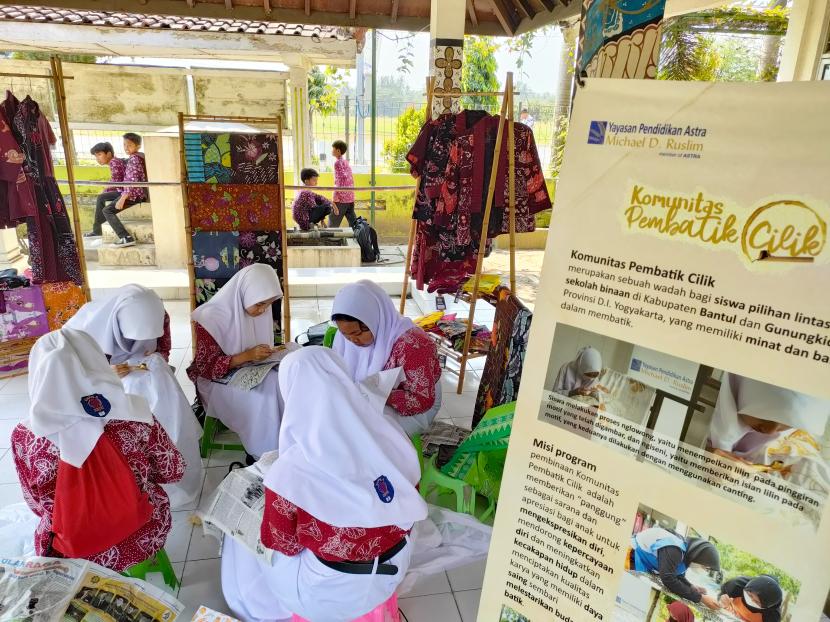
x=367, y=238
x=97, y=505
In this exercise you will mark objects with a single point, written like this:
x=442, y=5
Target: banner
x=670, y=453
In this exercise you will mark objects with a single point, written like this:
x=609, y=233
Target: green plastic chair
x=208, y=443
x=159, y=563
x=490, y=437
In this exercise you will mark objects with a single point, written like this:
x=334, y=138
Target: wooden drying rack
x=57, y=78
x=266, y=121
x=505, y=118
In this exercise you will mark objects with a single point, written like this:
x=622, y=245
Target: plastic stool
x=212, y=426
x=328, y=338
x=384, y=612
x=432, y=478
x=157, y=563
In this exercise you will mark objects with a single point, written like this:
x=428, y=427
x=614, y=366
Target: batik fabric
x=215, y=254
x=254, y=158
x=62, y=300
x=229, y=207
x=23, y=314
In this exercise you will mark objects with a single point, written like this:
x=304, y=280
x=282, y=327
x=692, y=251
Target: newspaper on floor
x=441, y=433
x=237, y=506
x=43, y=589
x=251, y=376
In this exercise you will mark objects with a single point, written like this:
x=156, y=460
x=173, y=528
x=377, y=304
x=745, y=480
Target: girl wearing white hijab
x=339, y=534
x=234, y=328
x=128, y=328
x=373, y=336
x=751, y=417
x=580, y=377
x=76, y=399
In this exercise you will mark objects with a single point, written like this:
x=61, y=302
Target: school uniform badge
x=96, y=405
x=384, y=489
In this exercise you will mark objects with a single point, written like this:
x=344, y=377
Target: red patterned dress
x=289, y=529
x=417, y=354
x=154, y=461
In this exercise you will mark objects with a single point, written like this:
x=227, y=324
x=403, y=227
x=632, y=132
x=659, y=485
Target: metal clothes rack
x=185, y=183
x=57, y=78
x=505, y=119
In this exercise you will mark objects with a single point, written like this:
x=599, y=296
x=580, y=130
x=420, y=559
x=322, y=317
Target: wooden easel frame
x=505, y=118
x=185, y=183
x=57, y=78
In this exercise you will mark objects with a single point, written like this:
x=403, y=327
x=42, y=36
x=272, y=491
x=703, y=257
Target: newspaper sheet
x=42, y=589
x=237, y=506
x=251, y=376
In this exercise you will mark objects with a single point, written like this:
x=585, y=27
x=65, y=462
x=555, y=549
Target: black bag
x=314, y=336
x=367, y=237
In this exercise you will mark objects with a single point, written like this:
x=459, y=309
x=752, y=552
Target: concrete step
x=142, y=211
x=141, y=230
x=138, y=255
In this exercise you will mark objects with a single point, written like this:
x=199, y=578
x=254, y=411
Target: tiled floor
x=447, y=597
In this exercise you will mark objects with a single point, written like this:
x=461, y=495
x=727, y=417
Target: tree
x=686, y=54
x=478, y=72
x=324, y=90
x=406, y=131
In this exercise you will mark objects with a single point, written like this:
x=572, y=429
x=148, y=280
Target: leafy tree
x=739, y=60
x=478, y=72
x=735, y=562
x=67, y=58
x=407, y=128
x=686, y=55
x=324, y=90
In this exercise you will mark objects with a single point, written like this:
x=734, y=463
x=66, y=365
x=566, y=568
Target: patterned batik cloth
x=260, y=247
x=194, y=157
x=254, y=158
x=504, y=361
x=216, y=152
x=215, y=254
x=228, y=207
x=62, y=301
x=207, y=288
x=24, y=314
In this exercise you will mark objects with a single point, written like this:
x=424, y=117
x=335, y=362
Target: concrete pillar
x=300, y=118
x=805, y=40
x=164, y=164
x=9, y=250
x=446, y=31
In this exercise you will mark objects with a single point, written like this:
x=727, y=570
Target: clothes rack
x=271, y=122
x=19, y=349
x=506, y=115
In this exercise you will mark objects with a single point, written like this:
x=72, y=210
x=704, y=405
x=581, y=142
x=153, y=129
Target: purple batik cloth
x=24, y=316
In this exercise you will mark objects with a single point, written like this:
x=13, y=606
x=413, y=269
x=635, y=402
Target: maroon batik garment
x=18, y=196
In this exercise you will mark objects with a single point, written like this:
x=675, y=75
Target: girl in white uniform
x=235, y=328
x=128, y=327
x=340, y=501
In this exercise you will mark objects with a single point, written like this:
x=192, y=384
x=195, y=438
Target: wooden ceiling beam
x=191, y=3
x=266, y=4
x=308, y=7
x=394, y=17
x=229, y=5
x=471, y=9
x=526, y=7
x=352, y=9
x=506, y=15
x=549, y=5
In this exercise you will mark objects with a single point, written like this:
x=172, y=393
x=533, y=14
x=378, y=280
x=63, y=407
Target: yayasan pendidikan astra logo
x=782, y=230
x=665, y=139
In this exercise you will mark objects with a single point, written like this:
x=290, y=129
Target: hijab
x=572, y=375
x=75, y=393
x=126, y=325
x=341, y=459
x=680, y=612
x=224, y=316
x=767, y=590
x=703, y=552
x=740, y=395
x=367, y=302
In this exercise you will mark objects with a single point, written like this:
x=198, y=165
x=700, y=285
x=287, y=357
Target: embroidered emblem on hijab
x=96, y=405
x=384, y=489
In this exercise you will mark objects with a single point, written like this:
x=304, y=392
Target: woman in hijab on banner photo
x=339, y=536
x=773, y=430
x=372, y=336
x=753, y=599
x=91, y=458
x=132, y=328
x=680, y=612
x=233, y=329
x=579, y=379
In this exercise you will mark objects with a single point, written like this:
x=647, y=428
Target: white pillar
x=805, y=40
x=300, y=121
x=446, y=30
x=166, y=202
x=9, y=250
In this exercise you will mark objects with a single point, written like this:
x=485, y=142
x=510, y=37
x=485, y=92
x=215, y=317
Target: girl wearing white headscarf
x=339, y=534
x=580, y=377
x=76, y=399
x=372, y=336
x=758, y=423
x=128, y=327
x=235, y=328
